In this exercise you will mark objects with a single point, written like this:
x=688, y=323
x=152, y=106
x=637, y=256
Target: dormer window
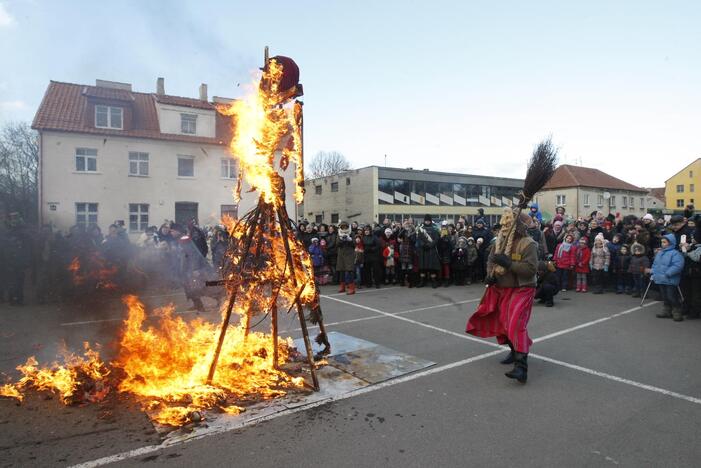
x=109, y=117
x=188, y=123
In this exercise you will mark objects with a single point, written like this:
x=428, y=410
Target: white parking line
x=120, y=319
x=593, y=322
x=371, y=388
x=614, y=378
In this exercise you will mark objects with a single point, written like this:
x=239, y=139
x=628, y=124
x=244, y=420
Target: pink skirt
x=504, y=313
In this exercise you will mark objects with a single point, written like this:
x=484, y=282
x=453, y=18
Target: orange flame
x=87, y=374
x=166, y=366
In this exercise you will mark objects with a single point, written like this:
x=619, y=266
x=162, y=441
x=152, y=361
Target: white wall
x=113, y=189
x=169, y=120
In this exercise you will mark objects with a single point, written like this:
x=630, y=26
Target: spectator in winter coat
x=372, y=266
x=614, y=246
x=472, y=260
x=666, y=273
x=445, y=252
x=390, y=256
x=693, y=272
x=581, y=266
x=639, y=264
x=621, y=270
x=406, y=259
x=599, y=263
x=535, y=212
x=427, y=236
x=345, y=260
x=565, y=260
x=459, y=262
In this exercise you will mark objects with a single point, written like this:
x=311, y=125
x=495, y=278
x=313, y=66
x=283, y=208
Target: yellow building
x=680, y=189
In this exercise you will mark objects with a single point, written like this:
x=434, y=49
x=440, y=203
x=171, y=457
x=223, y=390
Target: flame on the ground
x=77, y=379
x=166, y=366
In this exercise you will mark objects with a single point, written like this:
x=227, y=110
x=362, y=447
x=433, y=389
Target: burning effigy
x=179, y=369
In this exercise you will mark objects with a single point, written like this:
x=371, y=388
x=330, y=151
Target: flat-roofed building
x=373, y=193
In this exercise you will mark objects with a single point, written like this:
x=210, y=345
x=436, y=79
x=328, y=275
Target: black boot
x=422, y=281
x=520, y=370
x=509, y=359
x=434, y=282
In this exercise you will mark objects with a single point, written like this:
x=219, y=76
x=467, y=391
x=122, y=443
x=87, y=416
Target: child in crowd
x=581, y=266
x=666, y=272
x=599, y=263
x=388, y=257
x=565, y=260
x=621, y=270
x=459, y=262
x=472, y=258
x=359, y=260
x=639, y=262
x=317, y=255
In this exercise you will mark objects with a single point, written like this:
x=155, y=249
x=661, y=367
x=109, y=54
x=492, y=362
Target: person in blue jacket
x=667, y=273
x=535, y=212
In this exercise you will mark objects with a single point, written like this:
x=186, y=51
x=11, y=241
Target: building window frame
x=86, y=160
x=691, y=187
x=680, y=188
x=334, y=186
x=586, y=200
x=138, y=164
x=228, y=169
x=112, y=116
x=86, y=213
x=348, y=180
x=181, y=168
x=317, y=189
x=600, y=200
x=612, y=201
x=334, y=218
x=138, y=217
x=624, y=202
x=560, y=200
x=680, y=203
x=188, y=124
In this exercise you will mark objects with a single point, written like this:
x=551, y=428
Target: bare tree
x=326, y=163
x=19, y=160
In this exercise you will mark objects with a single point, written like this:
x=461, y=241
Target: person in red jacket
x=565, y=260
x=582, y=264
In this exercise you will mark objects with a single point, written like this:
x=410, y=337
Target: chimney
x=203, y=92
x=160, y=86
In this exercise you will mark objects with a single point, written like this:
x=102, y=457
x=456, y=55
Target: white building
x=109, y=154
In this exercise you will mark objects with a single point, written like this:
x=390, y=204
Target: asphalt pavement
x=609, y=385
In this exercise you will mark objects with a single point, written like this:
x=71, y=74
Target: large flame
x=166, y=366
x=78, y=379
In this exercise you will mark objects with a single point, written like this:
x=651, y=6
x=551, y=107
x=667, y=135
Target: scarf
x=564, y=247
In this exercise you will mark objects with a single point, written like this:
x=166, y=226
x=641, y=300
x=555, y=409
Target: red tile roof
x=658, y=193
x=576, y=176
x=184, y=102
x=64, y=105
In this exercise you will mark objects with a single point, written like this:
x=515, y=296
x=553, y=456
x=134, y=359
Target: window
x=229, y=211
x=691, y=201
x=625, y=202
x=632, y=202
x=188, y=123
x=691, y=174
x=228, y=168
x=691, y=187
x=680, y=189
x=642, y=202
x=347, y=180
x=560, y=200
x=108, y=117
x=600, y=200
x=85, y=214
x=680, y=203
x=334, y=186
x=317, y=189
x=612, y=201
x=138, y=217
x=138, y=164
x=318, y=219
x=586, y=199
x=334, y=218
x=186, y=166
x=85, y=160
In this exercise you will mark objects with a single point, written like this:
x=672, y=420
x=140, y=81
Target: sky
x=460, y=86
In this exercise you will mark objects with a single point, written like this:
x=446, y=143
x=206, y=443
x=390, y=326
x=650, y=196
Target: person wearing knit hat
x=599, y=263
x=648, y=217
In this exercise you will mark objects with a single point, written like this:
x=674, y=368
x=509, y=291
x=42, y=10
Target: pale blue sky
x=457, y=86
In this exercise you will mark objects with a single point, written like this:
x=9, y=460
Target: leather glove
x=490, y=280
x=502, y=260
